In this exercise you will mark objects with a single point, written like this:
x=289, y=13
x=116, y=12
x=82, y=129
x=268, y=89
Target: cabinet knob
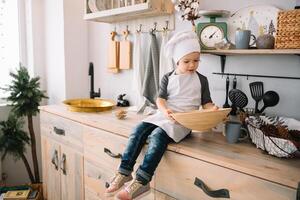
x=222, y=193
x=108, y=152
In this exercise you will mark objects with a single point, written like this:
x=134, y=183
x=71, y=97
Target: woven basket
x=288, y=30
x=273, y=145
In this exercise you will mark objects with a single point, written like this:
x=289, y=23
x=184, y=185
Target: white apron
x=184, y=94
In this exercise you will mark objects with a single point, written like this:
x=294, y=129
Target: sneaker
x=116, y=184
x=135, y=190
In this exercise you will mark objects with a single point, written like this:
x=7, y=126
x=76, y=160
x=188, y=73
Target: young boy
x=181, y=90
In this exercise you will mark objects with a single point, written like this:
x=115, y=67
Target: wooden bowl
x=202, y=120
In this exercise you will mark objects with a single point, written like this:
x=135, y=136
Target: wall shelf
x=135, y=11
x=233, y=52
x=239, y=52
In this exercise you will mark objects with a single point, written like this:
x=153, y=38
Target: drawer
x=62, y=130
x=105, y=147
x=176, y=174
x=96, y=176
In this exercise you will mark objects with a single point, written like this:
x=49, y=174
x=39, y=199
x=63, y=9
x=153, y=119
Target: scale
x=212, y=32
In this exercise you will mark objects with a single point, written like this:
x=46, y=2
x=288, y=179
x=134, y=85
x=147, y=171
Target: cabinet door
x=71, y=169
x=51, y=173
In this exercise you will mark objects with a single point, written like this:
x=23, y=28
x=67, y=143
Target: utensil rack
x=256, y=75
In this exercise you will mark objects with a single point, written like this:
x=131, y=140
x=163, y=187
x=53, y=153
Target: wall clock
x=212, y=32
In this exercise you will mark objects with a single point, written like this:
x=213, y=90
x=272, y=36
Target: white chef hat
x=181, y=44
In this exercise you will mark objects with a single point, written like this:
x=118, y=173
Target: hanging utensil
x=257, y=92
x=125, y=51
x=234, y=82
x=113, y=54
x=270, y=99
x=226, y=104
x=233, y=106
x=239, y=99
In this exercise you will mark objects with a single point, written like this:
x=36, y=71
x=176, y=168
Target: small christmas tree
x=25, y=97
x=271, y=28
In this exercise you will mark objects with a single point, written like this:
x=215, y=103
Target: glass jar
x=122, y=3
x=139, y=1
x=115, y=3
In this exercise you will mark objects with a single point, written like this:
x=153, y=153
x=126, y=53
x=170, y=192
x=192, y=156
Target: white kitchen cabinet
x=122, y=10
x=62, y=160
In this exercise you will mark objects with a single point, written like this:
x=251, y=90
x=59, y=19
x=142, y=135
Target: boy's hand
x=210, y=106
x=168, y=113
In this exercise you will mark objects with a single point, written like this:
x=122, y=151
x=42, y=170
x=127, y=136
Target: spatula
x=238, y=98
x=257, y=92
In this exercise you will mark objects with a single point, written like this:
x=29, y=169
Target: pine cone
x=269, y=130
x=283, y=132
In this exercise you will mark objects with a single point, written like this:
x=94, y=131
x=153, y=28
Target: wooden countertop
x=209, y=147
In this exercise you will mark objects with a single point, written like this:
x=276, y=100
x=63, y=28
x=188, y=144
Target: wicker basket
x=273, y=145
x=288, y=30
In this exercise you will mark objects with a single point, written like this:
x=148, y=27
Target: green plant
x=25, y=97
x=13, y=140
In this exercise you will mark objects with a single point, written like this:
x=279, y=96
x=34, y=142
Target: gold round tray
x=89, y=105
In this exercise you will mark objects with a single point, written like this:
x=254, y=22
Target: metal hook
x=140, y=29
x=167, y=26
x=154, y=29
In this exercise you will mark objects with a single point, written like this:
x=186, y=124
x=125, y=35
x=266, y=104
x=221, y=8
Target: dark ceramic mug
x=233, y=132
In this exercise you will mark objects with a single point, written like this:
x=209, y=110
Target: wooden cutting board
x=113, y=54
x=125, y=52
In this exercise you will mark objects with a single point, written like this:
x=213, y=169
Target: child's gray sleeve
x=205, y=93
x=163, y=93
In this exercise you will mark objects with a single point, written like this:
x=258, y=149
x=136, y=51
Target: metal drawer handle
x=63, y=164
x=222, y=193
x=108, y=152
x=54, y=159
x=59, y=131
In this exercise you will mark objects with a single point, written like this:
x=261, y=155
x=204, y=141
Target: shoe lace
x=134, y=186
x=117, y=179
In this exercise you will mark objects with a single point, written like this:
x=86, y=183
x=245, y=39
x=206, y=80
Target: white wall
x=114, y=84
x=57, y=52
x=65, y=50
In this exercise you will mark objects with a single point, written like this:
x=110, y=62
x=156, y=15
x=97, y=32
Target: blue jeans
x=158, y=142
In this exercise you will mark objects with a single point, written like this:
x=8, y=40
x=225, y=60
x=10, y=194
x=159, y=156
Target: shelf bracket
x=223, y=62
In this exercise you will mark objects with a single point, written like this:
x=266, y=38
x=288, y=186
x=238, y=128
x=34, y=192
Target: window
x=9, y=41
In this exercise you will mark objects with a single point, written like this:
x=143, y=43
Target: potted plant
x=25, y=95
x=13, y=141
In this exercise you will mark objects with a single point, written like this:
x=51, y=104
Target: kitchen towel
x=165, y=63
x=138, y=71
x=151, y=78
